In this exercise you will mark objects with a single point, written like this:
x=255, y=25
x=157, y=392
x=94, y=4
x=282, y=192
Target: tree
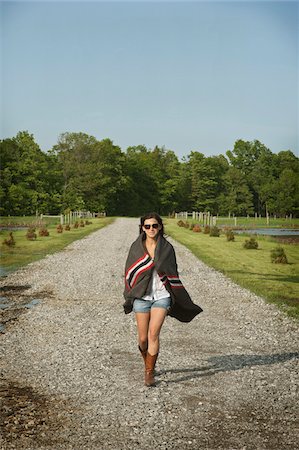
x=236, y=199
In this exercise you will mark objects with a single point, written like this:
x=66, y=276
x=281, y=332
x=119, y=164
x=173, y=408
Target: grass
x=26, y=220
x=252, y=269
x=25, y=251
x=252, y=222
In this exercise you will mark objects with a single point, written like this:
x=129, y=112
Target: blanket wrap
x=138, y=274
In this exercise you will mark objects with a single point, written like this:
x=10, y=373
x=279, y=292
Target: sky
x=189, y=76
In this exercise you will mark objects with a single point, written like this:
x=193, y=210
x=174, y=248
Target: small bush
x=278, y=256
x=43, y=232
x=196, y=228
x=251, y=243
x=82, y=223
x=76, y=224
x=180, y=223
x=214, y=232
x=230, y=235
x=206, y=229
x=87, y=222
x=31, y=234
x=10, y=241
x=67, y=227
x=59, y=228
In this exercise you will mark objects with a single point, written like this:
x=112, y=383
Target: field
x=252, y=269
x=26, y=251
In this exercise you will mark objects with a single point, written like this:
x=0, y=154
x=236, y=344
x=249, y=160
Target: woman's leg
x=157, y=317
x=142, y=320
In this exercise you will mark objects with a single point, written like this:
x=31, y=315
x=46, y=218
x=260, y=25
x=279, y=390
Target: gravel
x=72, y=378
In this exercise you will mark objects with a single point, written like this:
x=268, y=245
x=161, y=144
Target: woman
x=153, y=289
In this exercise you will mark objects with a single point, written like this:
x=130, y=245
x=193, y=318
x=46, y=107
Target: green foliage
x=214, y=231
x=251, y=244
x=278, y=256
x=81, y=172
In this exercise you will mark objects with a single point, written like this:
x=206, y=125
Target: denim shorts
x=141, y=305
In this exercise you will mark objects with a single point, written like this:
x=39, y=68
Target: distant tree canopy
x=80, y=172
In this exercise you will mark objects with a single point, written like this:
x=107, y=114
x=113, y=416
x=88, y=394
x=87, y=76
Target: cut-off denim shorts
x=143, y=306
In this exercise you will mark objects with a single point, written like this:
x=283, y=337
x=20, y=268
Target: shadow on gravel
x=29, y=419
x=227, y=363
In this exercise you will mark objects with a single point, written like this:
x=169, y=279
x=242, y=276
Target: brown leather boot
x=143, y=353
x=150, y=363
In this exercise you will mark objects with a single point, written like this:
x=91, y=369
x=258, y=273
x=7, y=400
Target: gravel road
x=72, y=378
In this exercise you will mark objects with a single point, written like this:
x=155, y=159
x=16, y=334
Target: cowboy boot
x=143, y=353
x=150, y=363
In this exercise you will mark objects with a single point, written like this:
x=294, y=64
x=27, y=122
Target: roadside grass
x=252, y=269
x=26, y=220
x=252, y=222
x=26, y=251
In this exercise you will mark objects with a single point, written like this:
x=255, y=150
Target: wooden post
x=235, y=221
x=61, y=219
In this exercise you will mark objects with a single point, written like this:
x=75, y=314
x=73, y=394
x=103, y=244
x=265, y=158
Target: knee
x=153, y=335
x=143, y=341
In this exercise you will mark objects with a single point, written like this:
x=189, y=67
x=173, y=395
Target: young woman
x=153, y=289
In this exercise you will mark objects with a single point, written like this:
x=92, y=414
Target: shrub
x=59, y=228
x=67, y=227
x=251, y=243
x=206, y=229
x=186, y=225
x=278, y=256
x=43, y=232
x=230, y=235
x=31, y=234
x=76, y=224
x=10, y=241
x=214, y=231
x=180, y=223
x=87, y=222
x=197, y=228
x=82, y=223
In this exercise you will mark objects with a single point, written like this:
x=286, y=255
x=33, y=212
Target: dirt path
x=72, y=378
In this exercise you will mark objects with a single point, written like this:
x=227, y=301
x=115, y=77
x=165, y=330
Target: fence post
x=61, y=219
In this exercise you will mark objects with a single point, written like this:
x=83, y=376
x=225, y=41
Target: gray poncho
x=138, y=274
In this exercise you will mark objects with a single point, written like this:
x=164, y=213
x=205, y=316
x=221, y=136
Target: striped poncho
x=138, y=275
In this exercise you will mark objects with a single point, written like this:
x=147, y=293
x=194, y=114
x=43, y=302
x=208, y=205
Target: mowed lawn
x=253, y=269
x=26, y=251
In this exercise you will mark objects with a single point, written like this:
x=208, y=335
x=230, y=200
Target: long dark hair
x=151, y=215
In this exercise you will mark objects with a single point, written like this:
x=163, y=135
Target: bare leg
x=142, y=320
x=157, y=316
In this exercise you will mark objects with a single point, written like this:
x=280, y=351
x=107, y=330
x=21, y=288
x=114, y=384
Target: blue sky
x=184, y=75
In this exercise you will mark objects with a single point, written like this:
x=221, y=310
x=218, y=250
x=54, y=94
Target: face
x=151, y=227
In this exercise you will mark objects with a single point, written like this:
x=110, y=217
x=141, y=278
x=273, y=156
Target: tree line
x=83, y=173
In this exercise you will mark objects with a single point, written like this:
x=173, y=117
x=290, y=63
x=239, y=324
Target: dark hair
x=151, y=215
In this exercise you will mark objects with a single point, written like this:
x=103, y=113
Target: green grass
x=251, y=222
x=252, y=269
x=26, y=251
x=26, y=220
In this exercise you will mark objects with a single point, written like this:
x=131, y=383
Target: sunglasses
x=153, y=225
